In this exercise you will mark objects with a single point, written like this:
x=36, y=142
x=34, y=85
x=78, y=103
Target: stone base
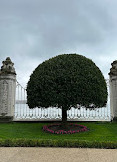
x=6, y=119
x=114, y=119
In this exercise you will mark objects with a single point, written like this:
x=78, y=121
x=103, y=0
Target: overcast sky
x=32, y=31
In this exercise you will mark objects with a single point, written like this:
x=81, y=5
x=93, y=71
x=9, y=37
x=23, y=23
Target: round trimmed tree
x=67, y=81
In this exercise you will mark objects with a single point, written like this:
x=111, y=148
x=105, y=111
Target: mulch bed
x=70, y=129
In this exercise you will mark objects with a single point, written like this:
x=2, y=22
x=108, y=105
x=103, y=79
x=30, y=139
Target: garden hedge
x=57, y=143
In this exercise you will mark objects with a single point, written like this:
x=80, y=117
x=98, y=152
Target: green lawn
x=98, y=131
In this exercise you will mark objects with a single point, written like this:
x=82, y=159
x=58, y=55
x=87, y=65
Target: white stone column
x=113, y=90
x=7, y=91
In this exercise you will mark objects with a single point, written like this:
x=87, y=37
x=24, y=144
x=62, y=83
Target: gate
x=23, y=113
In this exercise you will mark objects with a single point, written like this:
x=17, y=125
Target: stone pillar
x=113, y=90
x=7, y=91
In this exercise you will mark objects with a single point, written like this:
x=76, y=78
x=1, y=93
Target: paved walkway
x=39, y=154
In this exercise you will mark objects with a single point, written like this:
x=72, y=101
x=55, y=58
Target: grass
x=98, y=132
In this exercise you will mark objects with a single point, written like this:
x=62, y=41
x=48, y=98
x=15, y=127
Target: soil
x=64, y=129
x=69, y=127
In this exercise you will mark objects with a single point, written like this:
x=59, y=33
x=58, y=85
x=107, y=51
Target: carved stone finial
x=113, y=70
x=7, y=67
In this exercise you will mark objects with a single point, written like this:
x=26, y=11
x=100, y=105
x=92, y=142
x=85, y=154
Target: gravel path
x=40, y=154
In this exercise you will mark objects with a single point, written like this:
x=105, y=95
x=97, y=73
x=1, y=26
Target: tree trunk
x=64, y=117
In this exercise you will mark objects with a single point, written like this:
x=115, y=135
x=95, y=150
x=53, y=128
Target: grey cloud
x=39, y=29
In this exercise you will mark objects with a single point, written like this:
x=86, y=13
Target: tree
x=67, y=81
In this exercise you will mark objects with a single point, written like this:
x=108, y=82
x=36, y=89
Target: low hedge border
x=57, y=143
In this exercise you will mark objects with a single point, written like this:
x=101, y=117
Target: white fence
x=23, y=113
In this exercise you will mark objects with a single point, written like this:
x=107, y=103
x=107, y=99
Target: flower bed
x=57, y=129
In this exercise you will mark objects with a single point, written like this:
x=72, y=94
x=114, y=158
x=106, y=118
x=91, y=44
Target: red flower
x=47, y=129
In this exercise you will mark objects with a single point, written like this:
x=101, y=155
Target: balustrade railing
x=22, y=111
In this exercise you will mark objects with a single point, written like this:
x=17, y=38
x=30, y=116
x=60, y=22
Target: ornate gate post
x=113, y=90
x=7, y=91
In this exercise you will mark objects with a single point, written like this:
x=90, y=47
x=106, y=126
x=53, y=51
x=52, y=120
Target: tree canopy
x=66, y=81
